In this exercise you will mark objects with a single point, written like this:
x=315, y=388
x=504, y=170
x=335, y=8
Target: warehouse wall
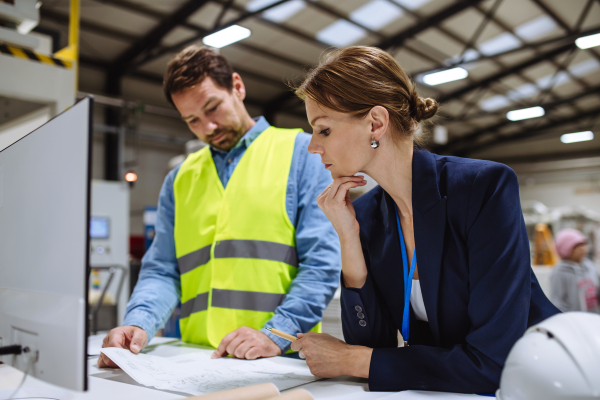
x=561, y=182
x=585, y=194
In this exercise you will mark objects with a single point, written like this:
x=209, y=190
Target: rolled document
x=298, y=394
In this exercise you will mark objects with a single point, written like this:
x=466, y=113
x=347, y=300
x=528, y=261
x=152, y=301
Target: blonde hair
x=355, y=79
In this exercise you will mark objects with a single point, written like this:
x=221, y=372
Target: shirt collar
x=249, y=137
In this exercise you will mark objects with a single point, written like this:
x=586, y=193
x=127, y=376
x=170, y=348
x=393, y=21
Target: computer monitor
x=44, y=247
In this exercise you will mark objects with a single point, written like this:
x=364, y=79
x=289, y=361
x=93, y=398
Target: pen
x=282, y=335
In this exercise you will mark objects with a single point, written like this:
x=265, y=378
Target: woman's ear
x=379, y=121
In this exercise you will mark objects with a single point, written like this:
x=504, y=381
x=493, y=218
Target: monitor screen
x=99, y=228
x=44, y=290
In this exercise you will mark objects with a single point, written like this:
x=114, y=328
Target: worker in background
x=574, y=282
x=240, y=240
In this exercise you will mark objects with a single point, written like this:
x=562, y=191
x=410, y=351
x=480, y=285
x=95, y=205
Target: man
x=241, y=251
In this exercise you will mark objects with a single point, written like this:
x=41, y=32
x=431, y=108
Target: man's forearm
x=151, y=304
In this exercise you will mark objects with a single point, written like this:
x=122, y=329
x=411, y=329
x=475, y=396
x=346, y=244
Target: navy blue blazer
x=479, y=291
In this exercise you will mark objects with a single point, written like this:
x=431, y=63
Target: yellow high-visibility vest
x=235, y=246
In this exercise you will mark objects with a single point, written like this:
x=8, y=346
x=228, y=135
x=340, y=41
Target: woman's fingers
x=337, y=182
x=296, y=345
x=344, y=189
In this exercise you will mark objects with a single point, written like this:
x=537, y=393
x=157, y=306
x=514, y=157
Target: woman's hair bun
x=425, y=108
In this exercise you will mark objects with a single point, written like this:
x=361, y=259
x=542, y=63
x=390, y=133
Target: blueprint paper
x=196, y=374
x=95, y=343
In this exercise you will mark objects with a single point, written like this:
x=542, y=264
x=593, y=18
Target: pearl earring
x=374, y=143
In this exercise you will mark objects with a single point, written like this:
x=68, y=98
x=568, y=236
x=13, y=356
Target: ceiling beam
x=527, y=133
x=155, y=36
x=48, y=14
x=184, y=43
x=281, y=27
x=561, y=66
x=337, y=14
x=527, y=46
x=158, y=79
x=509, y=71
x=563, y=24
x=464, y=140
x=428, y=22
x=53, y=16
x=547, y=106
x=473, y=102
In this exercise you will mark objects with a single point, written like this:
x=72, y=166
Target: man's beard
x=231, y=138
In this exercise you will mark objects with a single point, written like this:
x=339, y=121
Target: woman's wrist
x=354, y=270
x=350, y=234
x=349, y=240
x=359, y=361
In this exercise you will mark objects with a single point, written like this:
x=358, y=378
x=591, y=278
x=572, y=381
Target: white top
x=416, y=301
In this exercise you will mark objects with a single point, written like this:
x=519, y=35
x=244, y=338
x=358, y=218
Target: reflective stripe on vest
x=235, y=247
x=240, y=249
x=234, y=299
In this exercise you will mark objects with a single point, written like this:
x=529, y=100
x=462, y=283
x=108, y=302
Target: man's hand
x=125, y=337
x=247, y=343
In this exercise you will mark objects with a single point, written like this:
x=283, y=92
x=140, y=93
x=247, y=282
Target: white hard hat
x=559, y=358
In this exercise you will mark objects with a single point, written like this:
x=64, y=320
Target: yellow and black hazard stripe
x=30, y=55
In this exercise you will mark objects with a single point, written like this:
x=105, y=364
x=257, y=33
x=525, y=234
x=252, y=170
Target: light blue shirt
x=158, y=289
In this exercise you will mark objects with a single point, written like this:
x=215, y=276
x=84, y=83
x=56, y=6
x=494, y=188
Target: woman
x=472, y=292
x=575, y=282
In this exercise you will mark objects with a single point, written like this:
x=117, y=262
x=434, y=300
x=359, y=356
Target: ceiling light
x=525, y=113
x=588, y=41
x=449, y=75
x=226, y=36
x=577, y=137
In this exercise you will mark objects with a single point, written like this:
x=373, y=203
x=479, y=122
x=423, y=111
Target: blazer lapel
x=386, y=258
x=429, y=221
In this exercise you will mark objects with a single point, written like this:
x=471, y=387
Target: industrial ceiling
x=518, y=54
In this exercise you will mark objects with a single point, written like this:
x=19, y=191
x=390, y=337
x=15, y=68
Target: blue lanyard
x=408, y=276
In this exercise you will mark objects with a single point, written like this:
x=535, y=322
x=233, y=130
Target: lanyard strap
x=408, y=276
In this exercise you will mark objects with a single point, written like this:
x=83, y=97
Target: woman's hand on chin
x=328, y=357
x=337, y=206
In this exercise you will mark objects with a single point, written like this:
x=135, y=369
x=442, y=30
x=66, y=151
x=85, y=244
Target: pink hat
x=566, y=240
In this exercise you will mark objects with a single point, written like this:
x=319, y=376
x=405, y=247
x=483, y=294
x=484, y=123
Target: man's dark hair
x=191, y=65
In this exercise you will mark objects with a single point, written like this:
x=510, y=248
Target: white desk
x=339, y=388
x=114, y=384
